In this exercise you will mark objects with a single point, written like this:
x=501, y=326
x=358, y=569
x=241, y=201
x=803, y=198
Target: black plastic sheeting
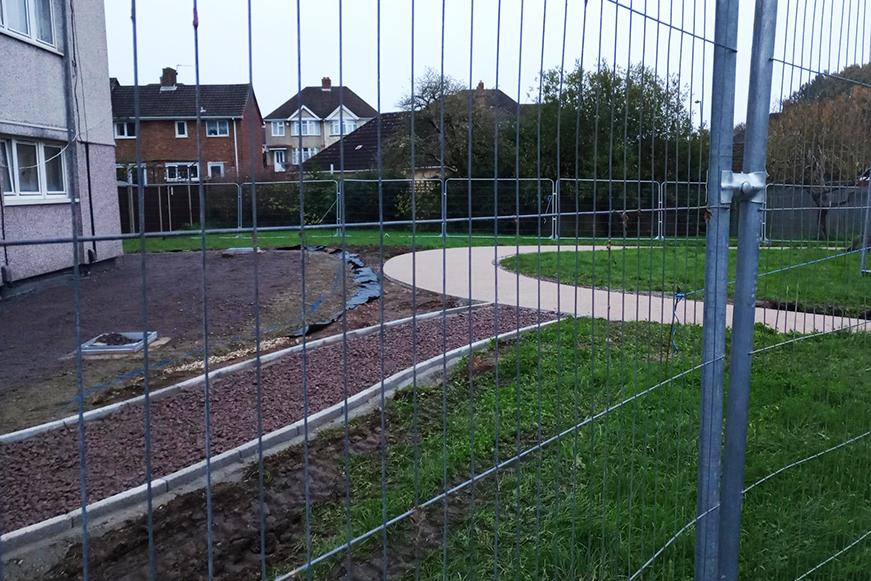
x=367, y=287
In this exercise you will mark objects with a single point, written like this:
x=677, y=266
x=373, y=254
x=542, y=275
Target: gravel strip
x=40, y=476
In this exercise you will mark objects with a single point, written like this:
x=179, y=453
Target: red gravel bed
x=40, y=476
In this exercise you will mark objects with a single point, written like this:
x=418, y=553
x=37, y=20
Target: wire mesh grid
x=498, y=352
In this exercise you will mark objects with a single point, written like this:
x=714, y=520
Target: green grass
x=599, y=502
x=354, y=237
x=403, y=238
x=827, y=285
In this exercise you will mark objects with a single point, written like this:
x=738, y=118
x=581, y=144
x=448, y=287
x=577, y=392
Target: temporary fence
x=539, y=387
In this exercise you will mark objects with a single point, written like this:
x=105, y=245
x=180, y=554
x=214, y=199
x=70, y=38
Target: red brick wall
x=160, y=145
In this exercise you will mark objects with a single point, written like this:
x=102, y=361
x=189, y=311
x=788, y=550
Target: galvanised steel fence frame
x=552, y=209
x=551, y=439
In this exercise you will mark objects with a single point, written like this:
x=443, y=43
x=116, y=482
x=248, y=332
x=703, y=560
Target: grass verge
x=354, y=237
x=598, y=502
x=830, y=284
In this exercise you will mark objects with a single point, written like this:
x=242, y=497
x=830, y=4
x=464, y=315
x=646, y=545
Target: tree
x=821, y=139
x=440, y=106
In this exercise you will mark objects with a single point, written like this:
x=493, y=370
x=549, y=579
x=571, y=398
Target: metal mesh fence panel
x=491, y=342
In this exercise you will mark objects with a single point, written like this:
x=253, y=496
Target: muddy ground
x=37, y=339
x=180, y=526
x=40, y=476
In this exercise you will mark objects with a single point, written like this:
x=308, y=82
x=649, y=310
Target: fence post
x=239, y=209
x=340, y=207
x=747, y=269
x=716, y=270
x=444, y=184
x=660, y=210
x=863, y=262
x=554, y=225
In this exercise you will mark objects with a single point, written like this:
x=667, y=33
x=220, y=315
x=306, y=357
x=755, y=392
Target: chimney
x=480, y=88
x=168, y=79
x=326, y=84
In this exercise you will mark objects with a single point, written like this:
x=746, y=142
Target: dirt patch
x=180, y=526
x=41, y=388
x=36, y=389
x=829, y=310
x=40, y=476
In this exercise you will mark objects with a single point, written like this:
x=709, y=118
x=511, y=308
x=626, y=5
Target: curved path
x=487, y=279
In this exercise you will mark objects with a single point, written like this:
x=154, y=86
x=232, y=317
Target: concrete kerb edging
x=271, y=443
x=92, y=415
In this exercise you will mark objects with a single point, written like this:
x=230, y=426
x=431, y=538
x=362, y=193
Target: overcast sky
x=166, y=39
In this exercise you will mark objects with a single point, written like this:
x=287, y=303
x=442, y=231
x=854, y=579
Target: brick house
x=168, y=126
x=42, y=171
x=315, y=113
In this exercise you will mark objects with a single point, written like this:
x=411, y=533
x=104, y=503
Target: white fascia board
x=347, y=115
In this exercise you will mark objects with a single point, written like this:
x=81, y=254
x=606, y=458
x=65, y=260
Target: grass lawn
x=600, y=501
x=354, y=237
x=826, y=286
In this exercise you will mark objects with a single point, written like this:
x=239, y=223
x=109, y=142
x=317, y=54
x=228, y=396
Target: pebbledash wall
x=33, y=110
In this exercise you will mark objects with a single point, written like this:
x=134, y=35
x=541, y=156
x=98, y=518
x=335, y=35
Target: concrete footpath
x=489, y=282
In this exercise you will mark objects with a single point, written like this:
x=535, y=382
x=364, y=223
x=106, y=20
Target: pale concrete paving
x=489, y=280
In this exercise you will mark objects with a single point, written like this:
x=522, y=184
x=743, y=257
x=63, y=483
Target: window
x=279, y=158
x=44, y=31
x=307, y=152
x=181, y=128
x=126, y=175
x=350, y=125
x=28, y=167
x=309, y=127
x=125, y=130
x=220, y=128
x=182, y=172
x=18, y=19
x=31, y=170
x=216, y=169
x=5, y=168
x=278, y=129
x=24, y=17
x=54, y=169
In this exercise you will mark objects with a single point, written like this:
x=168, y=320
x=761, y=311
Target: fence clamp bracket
x=747, y=186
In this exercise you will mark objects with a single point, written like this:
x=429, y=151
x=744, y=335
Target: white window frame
x=217, y=124
x=278, y=128
x=42, y=195
x=307, y=154
x=185, y=125
x=126, y=125
x=307, y=125
x=334, y=124
x=31, y=35
x=178, y=164
x=212, y=164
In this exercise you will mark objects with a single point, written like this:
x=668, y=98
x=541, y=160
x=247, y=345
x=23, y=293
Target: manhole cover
x=118, y=342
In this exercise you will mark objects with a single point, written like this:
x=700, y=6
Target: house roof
x=215, y=101
x=361, y=145
x=322, y=102
x=496, y=97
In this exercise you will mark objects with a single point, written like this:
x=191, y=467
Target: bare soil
x=180, y=525
x=38, y=340
x=40, y=476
